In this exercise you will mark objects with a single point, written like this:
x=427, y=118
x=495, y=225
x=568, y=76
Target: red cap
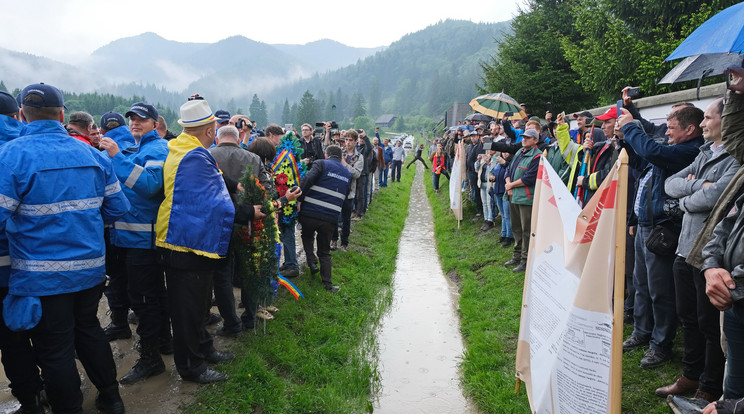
x=611, y=113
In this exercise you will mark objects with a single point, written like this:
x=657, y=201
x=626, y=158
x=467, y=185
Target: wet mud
x=419, y=338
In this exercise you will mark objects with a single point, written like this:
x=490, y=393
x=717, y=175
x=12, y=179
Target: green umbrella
x=496, y=104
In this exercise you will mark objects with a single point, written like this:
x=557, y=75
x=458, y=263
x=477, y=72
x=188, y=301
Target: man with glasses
x=312, y=147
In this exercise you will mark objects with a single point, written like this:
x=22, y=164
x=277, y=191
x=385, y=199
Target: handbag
x=663, y=239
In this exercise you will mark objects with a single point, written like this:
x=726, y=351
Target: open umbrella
x=478, y=117
x=699, y=67
x=496, y=104
x=722, y=33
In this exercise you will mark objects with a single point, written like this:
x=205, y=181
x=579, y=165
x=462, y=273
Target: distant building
x=456, y=113
x=386, y=120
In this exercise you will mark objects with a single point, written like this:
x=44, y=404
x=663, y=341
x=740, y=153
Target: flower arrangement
x=256, y=247
x=288, y=172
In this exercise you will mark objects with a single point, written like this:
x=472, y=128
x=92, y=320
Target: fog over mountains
x=422, y=72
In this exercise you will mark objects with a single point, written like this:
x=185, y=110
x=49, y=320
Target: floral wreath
x=288, y=173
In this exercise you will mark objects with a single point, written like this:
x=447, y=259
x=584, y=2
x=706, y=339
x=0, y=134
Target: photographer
x=312, y=147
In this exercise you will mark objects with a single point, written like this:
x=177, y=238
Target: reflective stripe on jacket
x=53, y=209
x=140, y=170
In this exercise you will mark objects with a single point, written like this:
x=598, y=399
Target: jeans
x=503, y=205
x=395, y=174
x=69, y=324
x=487, y=212
x=383, y=177
x=289, y=246
x=654, y=312
x=733, y=327
x=703, y=358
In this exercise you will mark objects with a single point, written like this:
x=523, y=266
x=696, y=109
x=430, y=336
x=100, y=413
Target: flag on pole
x=455, y=181
x=568, y=353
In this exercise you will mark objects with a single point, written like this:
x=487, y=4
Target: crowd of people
x=683, y=258
x=127, y=209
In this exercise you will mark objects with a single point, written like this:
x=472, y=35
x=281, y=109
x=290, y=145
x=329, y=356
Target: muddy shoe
x=513, y=261
x=216, y=357
x=207, y=377
x=109, y=401
x=213, y=319
x=682, y=405
x=291, y=272
x=149, y=364
x=508, y=241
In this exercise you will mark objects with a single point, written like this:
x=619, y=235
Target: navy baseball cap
x=8, y=104
x=143, y=110
x=112, y=116
x=223, y=116
x=51, y=97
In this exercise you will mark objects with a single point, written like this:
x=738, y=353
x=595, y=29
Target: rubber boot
x=149, y=364
x=30, y=405
x=118, y=328
x=109, y=401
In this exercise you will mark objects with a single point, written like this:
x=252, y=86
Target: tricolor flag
x=290, y=286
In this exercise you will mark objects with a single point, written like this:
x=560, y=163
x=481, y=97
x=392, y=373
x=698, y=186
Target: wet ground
x=162, y=394
x=419, y=339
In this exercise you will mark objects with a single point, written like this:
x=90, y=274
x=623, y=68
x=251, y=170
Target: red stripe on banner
x=609, y=195
x=540, y=170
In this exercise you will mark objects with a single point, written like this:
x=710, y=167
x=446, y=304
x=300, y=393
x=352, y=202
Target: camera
x=634, y=92
x=549, y=107
x=334, y=125
x=508, y=114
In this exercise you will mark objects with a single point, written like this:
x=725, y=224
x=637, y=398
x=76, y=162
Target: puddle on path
x=419, y=339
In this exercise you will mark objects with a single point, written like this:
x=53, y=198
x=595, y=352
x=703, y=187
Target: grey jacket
x=355, y=168
x=233, y=161
x=694, y=200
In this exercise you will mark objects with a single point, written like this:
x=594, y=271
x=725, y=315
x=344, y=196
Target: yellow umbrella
x=497, y=104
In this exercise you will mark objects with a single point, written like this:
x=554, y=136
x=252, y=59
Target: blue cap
x=143, y=110
x=223, y=115
x=112, y=116
x=51, y=97
x=8, y=104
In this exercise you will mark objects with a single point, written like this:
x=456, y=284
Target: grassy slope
x=491, y=296
x=318, y=355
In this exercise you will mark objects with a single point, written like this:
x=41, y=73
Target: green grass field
x=491, y=297
x=318, y=354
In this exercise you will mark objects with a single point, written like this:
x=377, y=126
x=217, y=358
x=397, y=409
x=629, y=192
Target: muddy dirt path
x=163, y=394
x=419, y=339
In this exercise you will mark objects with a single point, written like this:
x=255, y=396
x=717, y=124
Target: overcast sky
x=68, y=29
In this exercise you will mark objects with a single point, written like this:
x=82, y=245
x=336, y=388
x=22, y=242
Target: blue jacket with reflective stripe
x=324, y=189
x=139, y=168
x=53, y=208
x=10, y=128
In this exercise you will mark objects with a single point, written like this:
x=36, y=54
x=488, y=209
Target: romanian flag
x=287, y=156
x=291, y=287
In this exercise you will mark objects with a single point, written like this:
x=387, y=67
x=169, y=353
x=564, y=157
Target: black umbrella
x=477, y=117
x=700, y=67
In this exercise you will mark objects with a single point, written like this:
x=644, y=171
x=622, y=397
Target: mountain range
x=445, y=56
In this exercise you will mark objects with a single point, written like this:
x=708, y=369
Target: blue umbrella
x=722, y=33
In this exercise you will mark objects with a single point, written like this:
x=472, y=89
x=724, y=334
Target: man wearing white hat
x=193, y=233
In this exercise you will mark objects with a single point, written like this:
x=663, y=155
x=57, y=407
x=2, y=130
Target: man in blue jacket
x=17, y=355
x=654, y=311
x=53, y=210
x=139, y=167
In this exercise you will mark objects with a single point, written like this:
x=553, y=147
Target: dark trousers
x=147, y=294
x=69, y=323
x=116, y=269
x=521, y=221
x=395, y=174
x=629, y=265
x=419, y=159
x=475, y=193
x=18, y=360
x=700, y=320
x=190, y=296
x=345, y=222
x=360, y=194
x=223, y=293
x=324, y=230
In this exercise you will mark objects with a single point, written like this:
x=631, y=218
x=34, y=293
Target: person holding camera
x=654, y=312
x=312, y=147
x=698, y=187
